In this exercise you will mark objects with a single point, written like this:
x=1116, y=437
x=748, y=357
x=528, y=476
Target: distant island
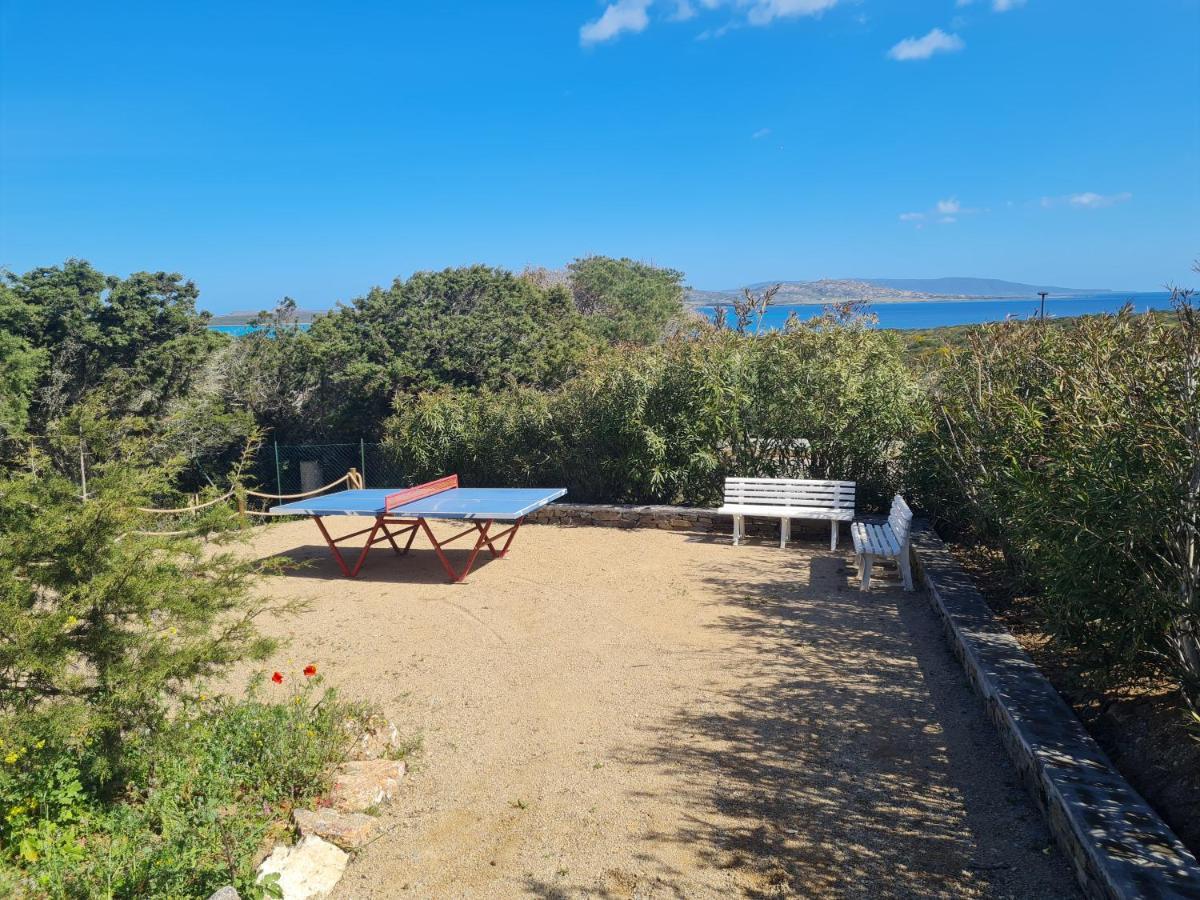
x=236, y=319
x=890, y=290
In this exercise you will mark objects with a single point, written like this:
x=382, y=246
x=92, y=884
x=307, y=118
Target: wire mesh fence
x=299, y=468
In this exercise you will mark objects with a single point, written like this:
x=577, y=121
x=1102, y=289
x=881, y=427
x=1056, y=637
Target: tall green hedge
x=665, y=424
x=1077, y=450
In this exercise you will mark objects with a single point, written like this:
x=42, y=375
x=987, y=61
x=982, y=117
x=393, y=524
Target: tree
x=102, y=620
x=133, y=351
x=21, y=366
x=272, y=372
x=624, y=300
x=470, y=327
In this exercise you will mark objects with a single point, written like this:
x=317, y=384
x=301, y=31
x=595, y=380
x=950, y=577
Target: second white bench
x=787, y=499
x=887, y=541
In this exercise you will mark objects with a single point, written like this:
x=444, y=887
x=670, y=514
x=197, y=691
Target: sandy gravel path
x=646, y=714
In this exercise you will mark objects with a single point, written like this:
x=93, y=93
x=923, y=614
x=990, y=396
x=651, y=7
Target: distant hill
x=245, y=318
x=810, y=292
x=979, y=287
x=888, y=290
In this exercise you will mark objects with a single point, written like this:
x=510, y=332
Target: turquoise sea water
x=239, y=330
x=937, y=313
x=934, y=313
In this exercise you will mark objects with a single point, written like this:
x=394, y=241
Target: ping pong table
x=409, y=510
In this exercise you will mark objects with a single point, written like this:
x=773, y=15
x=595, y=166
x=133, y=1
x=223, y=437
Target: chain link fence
x=298, y=468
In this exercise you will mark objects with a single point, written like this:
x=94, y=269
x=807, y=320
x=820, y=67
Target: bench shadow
x=850, y=759
x=419, y=565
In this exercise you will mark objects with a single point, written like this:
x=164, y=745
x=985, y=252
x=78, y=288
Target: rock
x=309, y=869
x=348, y=830
x=376, y=737
x=360, y=784
x=229, y=892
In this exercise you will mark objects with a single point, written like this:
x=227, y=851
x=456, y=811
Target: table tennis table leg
x=373, y=537
x=490, y=540
x=337, y=554
x=411, y=530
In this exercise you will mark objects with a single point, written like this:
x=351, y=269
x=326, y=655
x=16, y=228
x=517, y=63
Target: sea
x=938, y=313
x=933, y=313
x=241, y=330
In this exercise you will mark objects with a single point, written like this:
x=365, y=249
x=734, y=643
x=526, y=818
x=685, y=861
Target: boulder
x=361, y=784
x=229, y=892
x=348, y=830
x=309, y=869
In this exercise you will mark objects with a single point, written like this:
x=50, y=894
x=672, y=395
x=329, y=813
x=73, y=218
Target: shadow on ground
x=419, y=565
x=852, y=760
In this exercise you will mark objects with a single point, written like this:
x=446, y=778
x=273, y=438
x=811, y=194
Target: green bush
x=829, y=398
x=207, y=789
x=102, y=618
x=1077, y=449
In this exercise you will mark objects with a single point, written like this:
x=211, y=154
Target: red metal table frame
x=379, y=532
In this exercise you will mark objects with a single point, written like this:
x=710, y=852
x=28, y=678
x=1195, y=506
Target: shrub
x=208, y=789
x=1077, y=448
x=829, y=398
x=102, y=620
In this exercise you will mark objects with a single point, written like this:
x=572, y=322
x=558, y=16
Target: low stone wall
x=668, y=518
x=1118, y=845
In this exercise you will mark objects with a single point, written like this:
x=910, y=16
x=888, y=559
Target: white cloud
x=683, y=11
x=621, y=16
x=1087, y=200
x=761, y=133
x=618, y=17
x=937, y=41
x=997, y=5
x=945, y=212
x=1091, y=200
x=764, y=12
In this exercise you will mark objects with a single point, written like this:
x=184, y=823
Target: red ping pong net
x=419, y=492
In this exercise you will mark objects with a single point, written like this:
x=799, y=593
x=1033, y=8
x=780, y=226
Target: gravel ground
x=648, y=714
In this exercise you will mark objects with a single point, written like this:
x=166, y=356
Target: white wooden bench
x=887, y=541
x=787, y=499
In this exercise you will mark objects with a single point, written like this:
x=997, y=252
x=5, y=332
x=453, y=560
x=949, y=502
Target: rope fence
x=353, y=480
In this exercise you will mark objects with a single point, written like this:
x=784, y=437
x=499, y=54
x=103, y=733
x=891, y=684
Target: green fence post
x=278, y=477
x=362, y=459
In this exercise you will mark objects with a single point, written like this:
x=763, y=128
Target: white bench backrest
x=900, y=520
x=789, y=492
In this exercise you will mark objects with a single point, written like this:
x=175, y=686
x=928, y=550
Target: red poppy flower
x=277, y=678
x=310, y=670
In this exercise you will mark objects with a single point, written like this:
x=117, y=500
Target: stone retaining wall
x=1117, y=844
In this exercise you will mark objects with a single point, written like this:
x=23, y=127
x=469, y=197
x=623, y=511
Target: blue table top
x=456, y=503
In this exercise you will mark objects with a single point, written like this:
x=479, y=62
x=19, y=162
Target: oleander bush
x=828, y=398
x=1076, y=449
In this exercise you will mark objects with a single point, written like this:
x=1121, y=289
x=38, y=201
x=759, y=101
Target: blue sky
x=317, y=149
